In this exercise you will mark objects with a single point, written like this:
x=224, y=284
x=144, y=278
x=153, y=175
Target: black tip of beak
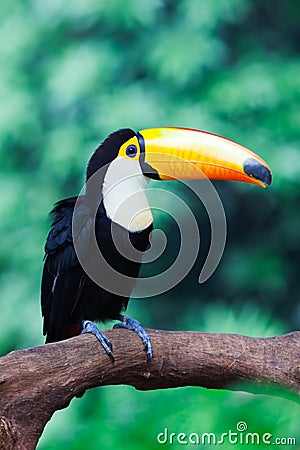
x=257, y=170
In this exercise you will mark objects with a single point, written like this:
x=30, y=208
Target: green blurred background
x=73, y=71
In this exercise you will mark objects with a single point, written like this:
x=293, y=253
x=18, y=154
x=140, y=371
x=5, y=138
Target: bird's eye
x=131, y=151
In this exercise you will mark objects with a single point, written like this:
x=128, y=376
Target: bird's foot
x=132, y=324
x=90, y=327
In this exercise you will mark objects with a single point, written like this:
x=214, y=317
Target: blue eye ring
x=131, y=151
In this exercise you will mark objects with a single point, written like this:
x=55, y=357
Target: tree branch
x=36, y=382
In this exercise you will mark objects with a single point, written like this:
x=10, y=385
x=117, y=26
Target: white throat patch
x=124, y=195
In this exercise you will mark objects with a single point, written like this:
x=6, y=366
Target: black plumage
x=68, y=295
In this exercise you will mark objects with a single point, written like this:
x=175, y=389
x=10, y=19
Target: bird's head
x=128, y=159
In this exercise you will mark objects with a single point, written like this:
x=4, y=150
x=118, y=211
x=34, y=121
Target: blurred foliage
x=73, y=71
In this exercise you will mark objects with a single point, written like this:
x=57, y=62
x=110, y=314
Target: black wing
x=63, y=278
x=68, y=294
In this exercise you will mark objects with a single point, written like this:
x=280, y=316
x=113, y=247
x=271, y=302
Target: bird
x=95, y=245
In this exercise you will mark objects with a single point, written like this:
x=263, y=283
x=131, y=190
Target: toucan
x=94, y=249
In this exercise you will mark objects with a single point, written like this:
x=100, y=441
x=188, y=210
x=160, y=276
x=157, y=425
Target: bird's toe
x=132, y=324
x=90, y=327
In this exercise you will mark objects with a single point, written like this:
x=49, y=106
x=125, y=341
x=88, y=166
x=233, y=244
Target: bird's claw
x=132, y=324
x=90, y=327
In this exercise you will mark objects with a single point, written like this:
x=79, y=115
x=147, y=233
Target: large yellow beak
x=184, y=153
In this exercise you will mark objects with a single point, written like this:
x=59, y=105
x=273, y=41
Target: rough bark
x=36, y=382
